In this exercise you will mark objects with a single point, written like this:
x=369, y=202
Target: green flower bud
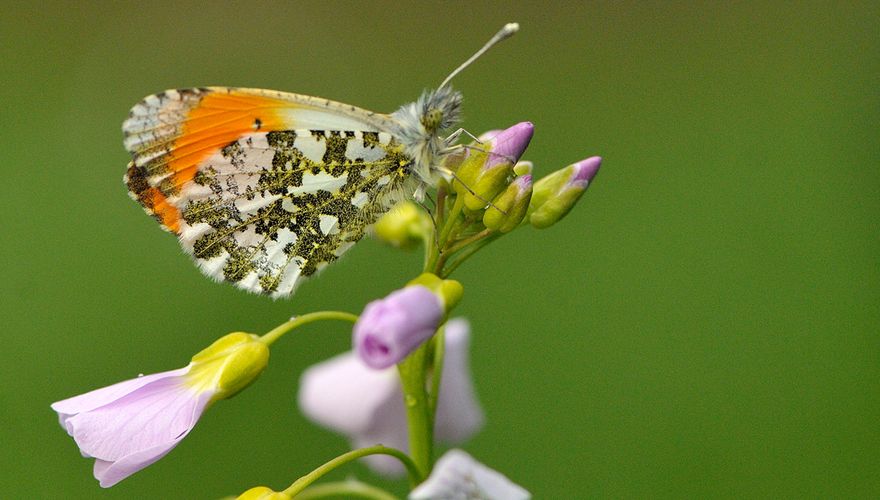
x=554, y=195
x=484, y=174
x=509, y=208
x=404, y=226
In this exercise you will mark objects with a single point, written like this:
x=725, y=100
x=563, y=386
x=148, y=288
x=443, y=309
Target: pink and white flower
x=130, y=425
x=349, y=397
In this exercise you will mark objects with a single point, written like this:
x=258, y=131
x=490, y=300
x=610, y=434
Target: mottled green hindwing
x=272, y=208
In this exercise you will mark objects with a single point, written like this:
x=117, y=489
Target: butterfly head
x=420, y=126
x=439, y=109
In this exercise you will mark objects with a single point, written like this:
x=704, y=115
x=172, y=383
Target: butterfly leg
x=452, y=178
x=459, y=147
x=455, y=135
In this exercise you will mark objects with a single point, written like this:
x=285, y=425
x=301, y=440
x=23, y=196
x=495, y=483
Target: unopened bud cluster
x=495, y=190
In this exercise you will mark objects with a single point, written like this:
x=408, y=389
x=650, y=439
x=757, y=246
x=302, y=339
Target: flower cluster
x=489, y=193
x=406, y=383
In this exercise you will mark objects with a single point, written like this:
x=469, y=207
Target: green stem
x=460, y=258
x=439, y=341
x=350, y=488
x=430, y=243
x=279, y=331
x=458, y=245
x=452, y=220
x=440, y=206
x=301, y=483
x=413, y=373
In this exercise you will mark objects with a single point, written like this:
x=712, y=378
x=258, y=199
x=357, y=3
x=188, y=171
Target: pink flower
x=390, y=328
x=128, y=426
x=347, y=396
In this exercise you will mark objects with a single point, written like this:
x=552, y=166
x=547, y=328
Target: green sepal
x=509, y=208
x=230, y=364
x=449, y=291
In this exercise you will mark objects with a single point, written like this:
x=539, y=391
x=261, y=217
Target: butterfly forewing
x=258, y=195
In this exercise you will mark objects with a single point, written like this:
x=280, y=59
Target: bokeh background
x=703, y=324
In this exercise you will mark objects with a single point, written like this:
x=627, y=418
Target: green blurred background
x=703, y=324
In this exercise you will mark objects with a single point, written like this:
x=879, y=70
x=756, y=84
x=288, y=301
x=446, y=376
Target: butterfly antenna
x=504, y=33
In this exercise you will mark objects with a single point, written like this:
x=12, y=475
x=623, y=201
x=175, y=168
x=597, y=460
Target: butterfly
x=265, y=188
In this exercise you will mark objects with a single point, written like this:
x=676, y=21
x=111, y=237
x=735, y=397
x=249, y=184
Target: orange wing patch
x=170, y=134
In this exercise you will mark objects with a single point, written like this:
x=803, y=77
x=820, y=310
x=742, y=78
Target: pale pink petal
x=347, y=396
x=457, y=475
x=109, y=473
x=389, y=429
x=344, y=394
x=100, y=397
x=157, y=413
x=459, y=415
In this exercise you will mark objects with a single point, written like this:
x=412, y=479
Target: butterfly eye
x=432, y=119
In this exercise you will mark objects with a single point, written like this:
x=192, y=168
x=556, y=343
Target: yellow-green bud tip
x=263, y=493
x=449, y=291
x=229, y=364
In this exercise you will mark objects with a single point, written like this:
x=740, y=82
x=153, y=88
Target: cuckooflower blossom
x=391, y=328
x=349, y=397
x=128, y=426
x=458, y=476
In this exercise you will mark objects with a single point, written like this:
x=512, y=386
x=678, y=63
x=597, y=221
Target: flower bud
x=230, y=364
x=509, y=207
x=391, y=328
x=484, y=174
x=554, y=195
x=263, y=493
x=405, y=226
